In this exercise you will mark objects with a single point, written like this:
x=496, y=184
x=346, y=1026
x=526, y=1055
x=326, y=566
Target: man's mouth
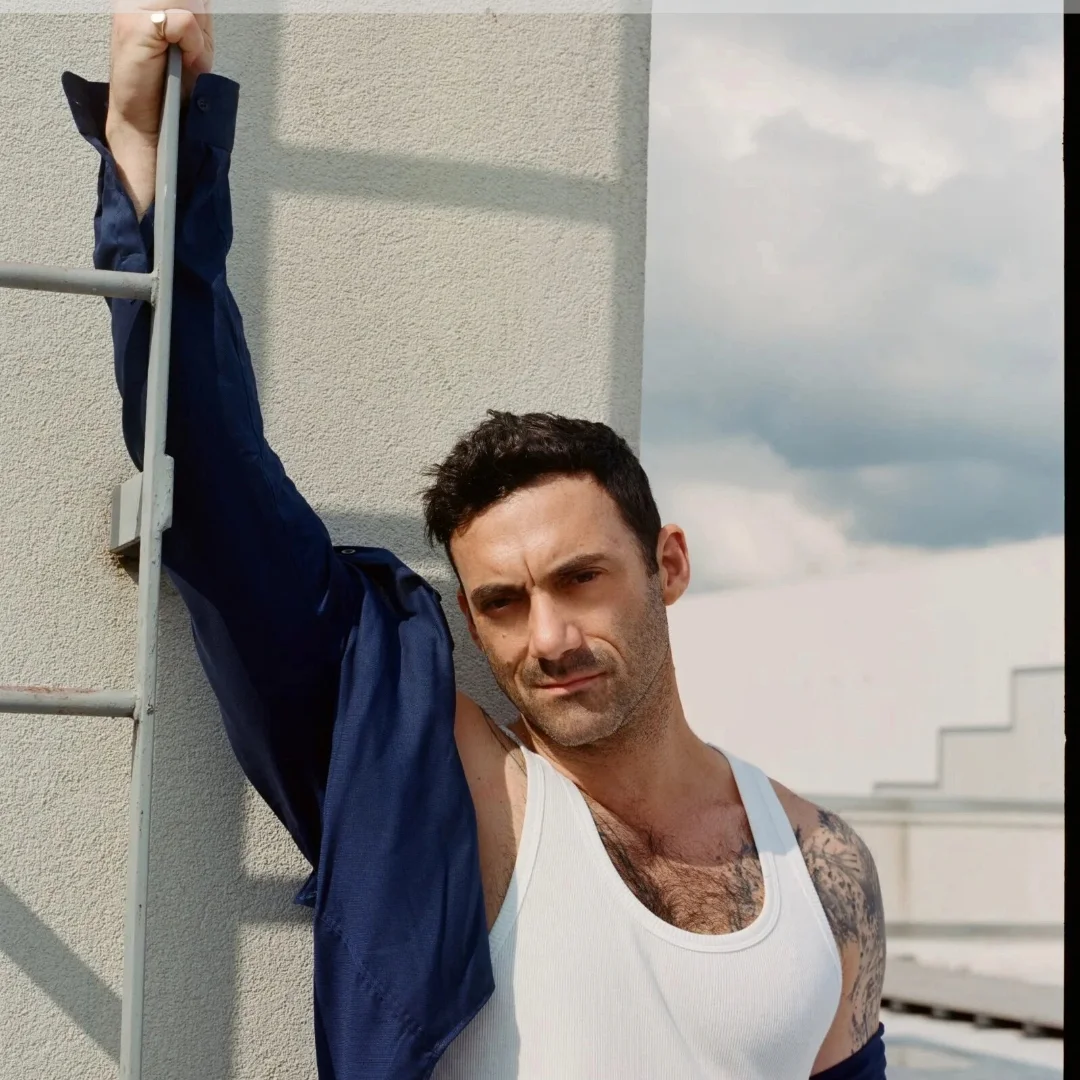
x=579, y=682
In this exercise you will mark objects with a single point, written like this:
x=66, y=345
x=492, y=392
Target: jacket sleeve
x=866, y=1064
x=272, y=604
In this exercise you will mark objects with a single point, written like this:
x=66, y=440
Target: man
x=590, y=892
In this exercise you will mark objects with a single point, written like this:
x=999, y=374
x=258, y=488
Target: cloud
x=762, y=523
x=1029, y=93
x=736, y=90
x=739, y=537
x=855, y=253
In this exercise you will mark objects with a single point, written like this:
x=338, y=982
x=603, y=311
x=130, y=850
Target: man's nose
x=551, y=634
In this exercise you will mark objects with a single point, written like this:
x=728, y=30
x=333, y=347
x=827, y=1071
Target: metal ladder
x=142, y=507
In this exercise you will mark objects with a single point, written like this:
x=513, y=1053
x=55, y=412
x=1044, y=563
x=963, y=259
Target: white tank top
x=591, y=985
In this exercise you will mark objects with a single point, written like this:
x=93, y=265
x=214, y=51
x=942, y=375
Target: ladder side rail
x=155, y=517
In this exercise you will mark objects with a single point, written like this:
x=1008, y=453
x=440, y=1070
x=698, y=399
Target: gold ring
x=158, y=19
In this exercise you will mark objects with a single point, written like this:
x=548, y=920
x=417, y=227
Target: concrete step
x=985, y=999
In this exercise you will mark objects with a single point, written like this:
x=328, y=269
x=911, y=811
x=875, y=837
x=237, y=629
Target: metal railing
x=154, y=516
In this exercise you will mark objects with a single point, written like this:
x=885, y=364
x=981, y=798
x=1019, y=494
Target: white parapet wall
x=964, y=868
x=998, y=800
x=843, y=684
x=1023, y=760
x=925, y=703
x=434, y=216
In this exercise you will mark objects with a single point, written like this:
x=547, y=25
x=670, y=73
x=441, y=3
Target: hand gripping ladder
x=151, y=497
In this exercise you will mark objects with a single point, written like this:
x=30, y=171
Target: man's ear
x=464, y=605
x=673, y=557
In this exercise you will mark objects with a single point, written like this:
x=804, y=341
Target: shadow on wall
x=59, y=972
x=404, y=536
x=200, y=895
x=253, y=44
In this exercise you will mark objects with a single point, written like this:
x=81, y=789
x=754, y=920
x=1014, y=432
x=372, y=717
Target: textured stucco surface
x=434, y=215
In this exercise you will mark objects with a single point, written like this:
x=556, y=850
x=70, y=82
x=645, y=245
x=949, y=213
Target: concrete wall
x=944, y=674
x=941, y=866
x=433, y=216
x=998, y=800
x=1024, y=761
x=843, y=684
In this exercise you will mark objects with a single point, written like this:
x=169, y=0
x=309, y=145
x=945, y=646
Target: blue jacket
x=332, y=666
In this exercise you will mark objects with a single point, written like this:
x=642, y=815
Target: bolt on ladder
x=146, y=498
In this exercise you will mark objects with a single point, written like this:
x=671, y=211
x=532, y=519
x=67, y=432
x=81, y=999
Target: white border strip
x=568, y=7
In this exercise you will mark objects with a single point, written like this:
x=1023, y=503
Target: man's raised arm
x=272, y=605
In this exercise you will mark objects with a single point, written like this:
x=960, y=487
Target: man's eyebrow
x=485, y=594
x=579, y=563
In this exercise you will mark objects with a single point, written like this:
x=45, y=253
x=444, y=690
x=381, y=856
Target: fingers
x=182, y=28
x=187, y=24
x=137, y=58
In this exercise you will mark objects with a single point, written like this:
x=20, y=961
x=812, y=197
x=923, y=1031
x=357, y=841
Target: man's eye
x=586, y=576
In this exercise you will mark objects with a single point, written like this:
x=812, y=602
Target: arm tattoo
x=846, y=880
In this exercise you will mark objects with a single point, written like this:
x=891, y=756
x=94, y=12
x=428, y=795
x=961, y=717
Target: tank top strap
x=763, y=805
x=768, y=821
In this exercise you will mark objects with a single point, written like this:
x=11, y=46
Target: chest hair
x=716, y=889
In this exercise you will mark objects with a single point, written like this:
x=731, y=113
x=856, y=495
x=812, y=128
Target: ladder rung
x=77, y=280
x=62, y=701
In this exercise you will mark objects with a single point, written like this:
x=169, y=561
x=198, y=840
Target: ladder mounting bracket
x=124, y=524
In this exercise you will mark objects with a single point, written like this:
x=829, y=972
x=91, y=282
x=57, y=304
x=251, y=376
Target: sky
x=854, y=288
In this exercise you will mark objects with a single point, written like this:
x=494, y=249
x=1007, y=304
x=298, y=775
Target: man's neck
x=651, y=773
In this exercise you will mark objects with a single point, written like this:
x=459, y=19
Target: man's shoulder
x=806, y=817
x=841, y=865
x=845, y=878
x=814, y=825
x=487, y=753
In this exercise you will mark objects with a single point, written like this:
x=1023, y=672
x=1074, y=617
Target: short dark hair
x=506, y=452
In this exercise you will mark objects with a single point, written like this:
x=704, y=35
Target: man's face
x=558, y=597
